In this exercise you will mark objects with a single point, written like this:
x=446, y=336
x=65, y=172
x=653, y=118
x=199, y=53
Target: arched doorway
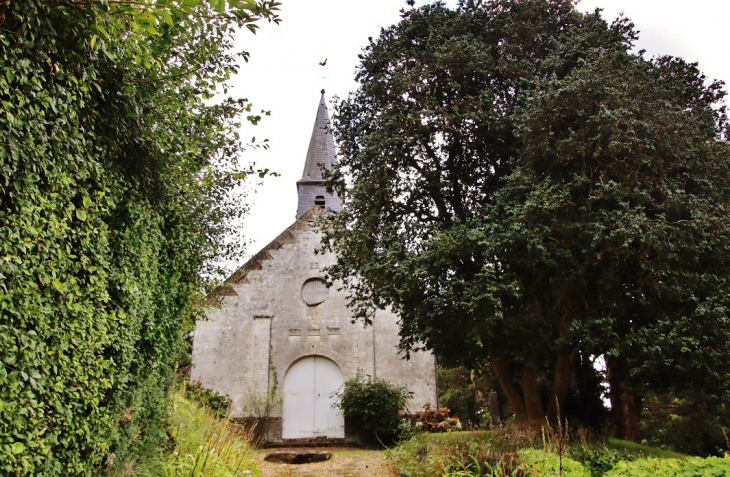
x=308, y=410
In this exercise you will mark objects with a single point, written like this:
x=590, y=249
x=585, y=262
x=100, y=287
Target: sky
x=284, y=76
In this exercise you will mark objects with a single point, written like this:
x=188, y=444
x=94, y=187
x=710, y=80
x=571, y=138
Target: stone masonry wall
x=264, y=325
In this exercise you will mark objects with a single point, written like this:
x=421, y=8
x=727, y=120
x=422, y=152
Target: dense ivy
x=113, y=182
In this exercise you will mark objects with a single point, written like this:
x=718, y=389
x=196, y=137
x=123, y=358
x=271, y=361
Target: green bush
x=374, y=406
x=691, y=466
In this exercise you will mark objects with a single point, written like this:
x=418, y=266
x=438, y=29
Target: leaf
x=103, y=32
x=167, y=16
x=81, y=214
x=150, y=29
x=145, y=18
x=10, y=75
x=17, y=447
x=87, y=201
x=93, y=41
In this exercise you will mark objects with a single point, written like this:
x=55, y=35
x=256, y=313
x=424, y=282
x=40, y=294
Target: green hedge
x=110, y=210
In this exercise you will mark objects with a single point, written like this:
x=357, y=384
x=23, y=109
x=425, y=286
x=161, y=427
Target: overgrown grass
x=202, y=445
x=515, y=450
x=640, y=450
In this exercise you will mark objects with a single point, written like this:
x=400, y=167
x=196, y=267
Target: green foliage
x=202, y=445
x=479, y=454
x=114, y=177
x=694, y=466
x=208, y=398
x=465, y=393
x=435, y=455
x=596, y=458
x=601, y=456
x=205, y=444
x=522, y=451
x=539, y=462
x=374, y=406
x=634, y=450
x=522, y=188
x=684, y=422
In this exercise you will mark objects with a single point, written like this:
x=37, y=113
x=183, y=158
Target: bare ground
x=345, y=462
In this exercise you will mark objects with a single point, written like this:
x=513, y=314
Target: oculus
x=314, y=291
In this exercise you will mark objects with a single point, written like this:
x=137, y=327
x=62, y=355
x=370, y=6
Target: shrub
x=694, y=466
x=374, y=406
x=540, y=462
x=432, y=419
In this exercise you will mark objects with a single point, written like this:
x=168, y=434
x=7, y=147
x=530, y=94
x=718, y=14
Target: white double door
x=308, y=410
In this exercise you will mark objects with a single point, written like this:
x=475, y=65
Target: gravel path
x=345, y=462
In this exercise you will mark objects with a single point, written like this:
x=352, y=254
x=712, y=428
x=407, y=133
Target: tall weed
x=203, y=445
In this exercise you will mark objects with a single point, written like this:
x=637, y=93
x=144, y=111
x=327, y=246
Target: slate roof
x=321, y=146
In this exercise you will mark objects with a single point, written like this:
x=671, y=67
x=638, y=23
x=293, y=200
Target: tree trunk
x=504, y=373
x=623, y=402
x=561, y=386
x=530, y=388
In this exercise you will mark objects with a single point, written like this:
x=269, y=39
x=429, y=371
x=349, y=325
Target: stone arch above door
x=307, y=411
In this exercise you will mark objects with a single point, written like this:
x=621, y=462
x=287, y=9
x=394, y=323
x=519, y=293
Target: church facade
x=281, y=342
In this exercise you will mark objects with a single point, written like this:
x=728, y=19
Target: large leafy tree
x=114, y=173
x=522, y=187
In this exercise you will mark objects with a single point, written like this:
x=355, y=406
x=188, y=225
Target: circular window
x=314, y=291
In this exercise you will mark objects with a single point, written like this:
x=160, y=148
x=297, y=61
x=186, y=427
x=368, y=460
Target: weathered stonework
x=273, y=312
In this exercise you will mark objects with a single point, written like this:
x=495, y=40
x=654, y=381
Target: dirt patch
x=345, y=462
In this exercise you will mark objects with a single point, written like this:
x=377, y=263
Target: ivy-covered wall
x=113, y=178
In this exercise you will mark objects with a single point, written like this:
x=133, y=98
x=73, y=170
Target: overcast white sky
x=284, y=75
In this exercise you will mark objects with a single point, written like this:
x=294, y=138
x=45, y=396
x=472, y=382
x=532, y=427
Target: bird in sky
x=322, y=63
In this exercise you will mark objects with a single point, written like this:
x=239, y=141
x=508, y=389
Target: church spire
x=320, y=155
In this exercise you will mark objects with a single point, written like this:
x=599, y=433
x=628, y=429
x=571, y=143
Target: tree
x=635, y=175
x=113, y=180
x=523, y=188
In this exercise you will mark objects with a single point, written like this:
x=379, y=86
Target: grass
x=203, y=446
x=515, y=450
x=640, y=450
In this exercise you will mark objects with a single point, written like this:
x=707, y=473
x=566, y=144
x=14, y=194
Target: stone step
x=313, y=442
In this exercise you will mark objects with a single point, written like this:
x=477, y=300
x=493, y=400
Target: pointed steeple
x=320, y=155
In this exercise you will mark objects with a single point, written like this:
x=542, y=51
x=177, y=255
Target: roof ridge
x=255, y=262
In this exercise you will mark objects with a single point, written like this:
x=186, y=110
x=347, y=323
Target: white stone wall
x=258, y=333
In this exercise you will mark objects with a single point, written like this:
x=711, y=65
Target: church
x=281, y=342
